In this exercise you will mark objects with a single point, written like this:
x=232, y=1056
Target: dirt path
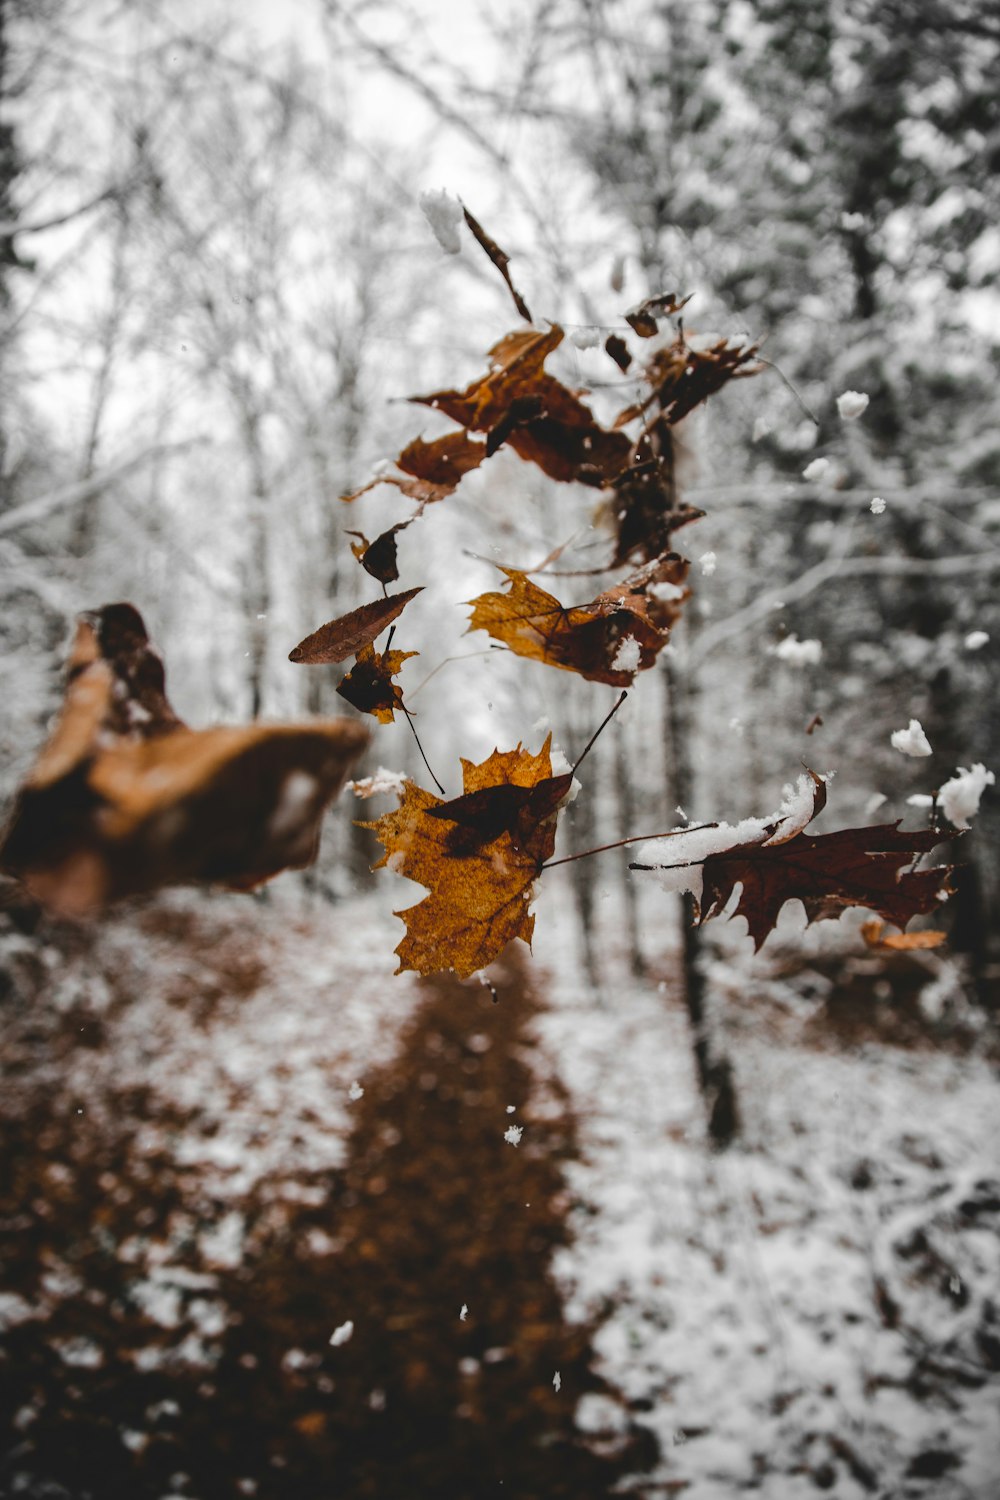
x=204, y=1378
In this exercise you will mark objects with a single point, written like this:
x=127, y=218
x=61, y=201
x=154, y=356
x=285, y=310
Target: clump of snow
x=912, y=740
x=877, y=506
x=443, y=213
x=798, y=653
x=585, y=337
x=708, y=562
x=382, y=781
x=959, y=797
x=557, y=1381
x=341, y=1334
x=560, y=765
x=761, y=428
x=355, y=1091
x=464, y=1312
x=976, y=640
x=851, y=405
x=513, y=1134
x=677, y=858
x=817, y=470
x=920, y=799
x=626, y=658
x=875, y=801
x=796, y=810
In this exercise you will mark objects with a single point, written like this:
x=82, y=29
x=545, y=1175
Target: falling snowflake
x=912, y=740
x=557, y=1381
x=877, y=506
x=342, y=1334
x=464, y=1313
x=513, y=1134
x=355, y=1091
x=851, y=405
x=816, y=471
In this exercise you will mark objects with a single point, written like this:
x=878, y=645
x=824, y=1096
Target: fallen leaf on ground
x=125, y=798
x=346, y=636
x=478, y=856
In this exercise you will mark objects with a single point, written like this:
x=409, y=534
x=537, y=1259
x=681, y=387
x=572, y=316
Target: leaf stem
x=637, y=838
x=599, y=730
x=423, y=757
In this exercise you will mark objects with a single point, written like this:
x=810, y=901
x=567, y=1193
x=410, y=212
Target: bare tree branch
x=82, y=489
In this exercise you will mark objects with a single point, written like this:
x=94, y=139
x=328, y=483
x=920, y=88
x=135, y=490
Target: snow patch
x=382, y=781
x=626, y=658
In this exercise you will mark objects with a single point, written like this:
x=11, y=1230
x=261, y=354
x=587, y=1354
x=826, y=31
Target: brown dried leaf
x=876, y=937
x=682, y=378
x=587, y=638
x=643, y=319
x=378, y=558
x=542, y=420
x=125, y=798
x=480, y=886
x=647, y=506
x=369, y=685
x=338, y=639
x=616, y=346
x=828, y=873
x=499, y=259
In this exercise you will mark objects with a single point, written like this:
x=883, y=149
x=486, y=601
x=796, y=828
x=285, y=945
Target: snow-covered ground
x=816, y=1308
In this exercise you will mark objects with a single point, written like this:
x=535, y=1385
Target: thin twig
x=637, y=838
x=599, y=731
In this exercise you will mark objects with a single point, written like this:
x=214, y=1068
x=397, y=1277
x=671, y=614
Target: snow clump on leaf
x=959, y=797
x=912, y=740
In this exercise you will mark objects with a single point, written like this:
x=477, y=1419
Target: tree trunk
x=715, y=1074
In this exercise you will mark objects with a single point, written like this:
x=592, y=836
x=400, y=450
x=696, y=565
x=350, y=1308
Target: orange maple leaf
x=480, y=864
x=369, y=685
x=589, y=639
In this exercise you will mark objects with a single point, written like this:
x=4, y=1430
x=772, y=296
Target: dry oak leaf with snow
x=619, y=633
x=124, y=798
x=479, y=856
x=774, y=860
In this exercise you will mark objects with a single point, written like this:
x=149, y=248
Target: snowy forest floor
x=219, y=1148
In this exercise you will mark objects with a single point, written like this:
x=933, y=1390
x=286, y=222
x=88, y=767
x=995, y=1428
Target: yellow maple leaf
x=480, y=883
